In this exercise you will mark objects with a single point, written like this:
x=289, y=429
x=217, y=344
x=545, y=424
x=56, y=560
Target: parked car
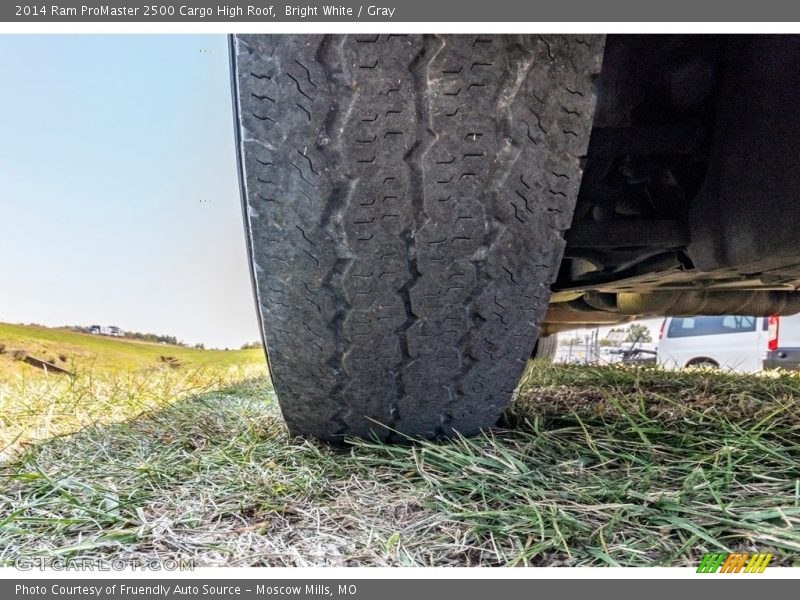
x=639, y=356
x=739, y=343
x=111, y=330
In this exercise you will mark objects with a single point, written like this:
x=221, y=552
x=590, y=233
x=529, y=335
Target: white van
x=737, y=343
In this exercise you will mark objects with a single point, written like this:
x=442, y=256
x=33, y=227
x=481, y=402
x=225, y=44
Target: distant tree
x=154, y=337
x=251, y=345
x=199, y=347
x=638, y=333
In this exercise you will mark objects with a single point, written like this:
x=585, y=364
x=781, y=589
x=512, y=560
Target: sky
x=119, y=200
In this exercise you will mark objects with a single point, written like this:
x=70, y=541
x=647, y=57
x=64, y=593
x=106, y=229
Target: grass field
x=81, y=352
x=590, y=466
x=112, y=380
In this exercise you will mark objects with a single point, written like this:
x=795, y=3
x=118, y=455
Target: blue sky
x=119, y=200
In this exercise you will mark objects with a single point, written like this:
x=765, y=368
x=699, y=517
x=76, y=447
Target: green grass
x=85, y=352
x=36, y=408
x=590, y=466
x=111, y=380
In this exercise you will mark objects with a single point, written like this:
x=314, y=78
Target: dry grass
x=591, y=466
x=40, y=406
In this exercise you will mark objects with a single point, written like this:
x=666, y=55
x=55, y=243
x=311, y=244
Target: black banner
x=731, y=588
x=463, y=11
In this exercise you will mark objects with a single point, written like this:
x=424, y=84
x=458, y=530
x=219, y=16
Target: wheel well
x=701, y=360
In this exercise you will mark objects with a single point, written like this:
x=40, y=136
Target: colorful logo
x=735, y=562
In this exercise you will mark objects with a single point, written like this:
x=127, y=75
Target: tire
x=546, y=348
x=405, y=201
x=702, y=363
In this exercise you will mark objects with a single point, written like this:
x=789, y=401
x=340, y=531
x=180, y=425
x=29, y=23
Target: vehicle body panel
x=736, y=343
